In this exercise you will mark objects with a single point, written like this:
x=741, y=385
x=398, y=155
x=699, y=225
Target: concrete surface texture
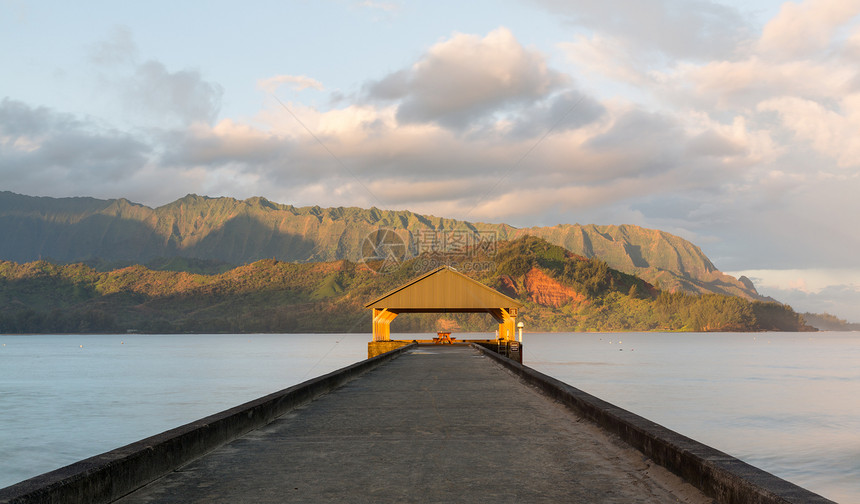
x=437, y=424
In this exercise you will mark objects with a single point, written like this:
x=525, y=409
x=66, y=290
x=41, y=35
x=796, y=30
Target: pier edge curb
x=113, y=474
x=723, y=477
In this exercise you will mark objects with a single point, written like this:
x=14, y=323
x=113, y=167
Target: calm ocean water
x=788, y=403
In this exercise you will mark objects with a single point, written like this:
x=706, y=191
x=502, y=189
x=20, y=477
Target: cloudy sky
x=734, y=124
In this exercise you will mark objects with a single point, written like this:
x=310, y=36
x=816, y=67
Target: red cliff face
x=508, y=286
x=545, y=291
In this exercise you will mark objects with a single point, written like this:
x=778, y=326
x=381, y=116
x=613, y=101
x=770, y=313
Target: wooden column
x=507, y=323
x=382, y=324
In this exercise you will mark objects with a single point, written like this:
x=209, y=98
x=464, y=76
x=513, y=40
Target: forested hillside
x=561, y=291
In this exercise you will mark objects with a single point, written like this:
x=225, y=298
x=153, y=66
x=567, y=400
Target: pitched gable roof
x=443, y=289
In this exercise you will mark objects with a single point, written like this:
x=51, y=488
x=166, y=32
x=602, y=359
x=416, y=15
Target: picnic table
x=443, y=338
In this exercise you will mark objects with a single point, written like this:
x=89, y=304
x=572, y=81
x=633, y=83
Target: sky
x=733, y=124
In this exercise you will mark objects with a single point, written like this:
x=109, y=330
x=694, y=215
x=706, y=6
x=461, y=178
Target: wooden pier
x=432, y=423
x=437, y=424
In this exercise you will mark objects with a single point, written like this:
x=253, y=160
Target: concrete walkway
x=437, y=424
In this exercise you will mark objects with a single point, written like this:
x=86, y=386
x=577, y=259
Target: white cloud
x=45, y=151
x=802, y=29
x=156, y=92
x=830, y=132
x=744, y=83
x=466, y=79
x=227, y=142
x=298, y=82
x=686, y=29
x=119, y=48
x=613, y=57
x=150, y=94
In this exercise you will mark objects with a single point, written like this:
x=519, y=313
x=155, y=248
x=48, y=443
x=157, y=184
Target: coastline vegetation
x=560, y=291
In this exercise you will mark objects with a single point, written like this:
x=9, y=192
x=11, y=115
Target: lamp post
x=520, y=327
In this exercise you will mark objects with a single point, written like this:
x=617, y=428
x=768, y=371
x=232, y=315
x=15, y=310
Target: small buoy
x=81, y=346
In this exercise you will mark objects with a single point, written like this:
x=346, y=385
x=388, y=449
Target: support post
x=507, y=324
x=382, y=324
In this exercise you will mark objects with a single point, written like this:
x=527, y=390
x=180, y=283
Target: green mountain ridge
x=234, y=232
x=560, y=291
